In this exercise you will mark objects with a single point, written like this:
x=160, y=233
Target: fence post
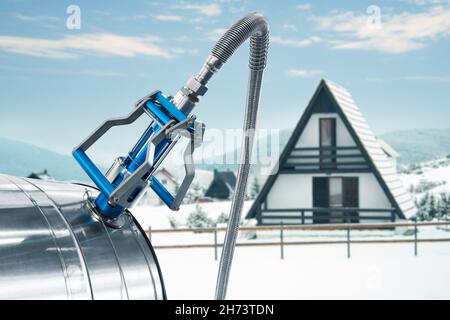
x=347, y=220
x=348, y=243
x=415, y=237
x=149, y=233
x=282, y=240
x=215, y=243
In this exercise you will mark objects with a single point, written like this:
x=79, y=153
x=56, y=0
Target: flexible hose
x=254, y=26
x=241, y=185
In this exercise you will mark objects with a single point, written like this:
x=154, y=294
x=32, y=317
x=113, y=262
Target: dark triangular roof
x=223, y=184
x=331, y=97
x=228, y=177
x=40, y=175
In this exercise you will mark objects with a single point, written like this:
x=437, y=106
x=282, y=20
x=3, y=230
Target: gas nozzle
x=130, y=176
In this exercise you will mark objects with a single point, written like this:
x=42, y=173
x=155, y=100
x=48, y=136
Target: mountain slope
x=20, y=159
x=419, y=145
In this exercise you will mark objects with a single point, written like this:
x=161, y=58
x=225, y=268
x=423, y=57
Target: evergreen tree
x=255, y=188
x=222, y=218
x=194, y=193
x=199, y=219
x=433, y=210
x=423, y=206
x=444, y=205
x=173, y=223
x=434, y=207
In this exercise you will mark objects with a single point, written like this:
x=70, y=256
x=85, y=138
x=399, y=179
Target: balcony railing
x=312, y=159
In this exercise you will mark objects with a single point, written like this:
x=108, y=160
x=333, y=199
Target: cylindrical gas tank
x=53, y=246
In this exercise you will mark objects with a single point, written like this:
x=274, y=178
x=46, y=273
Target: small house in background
x=391, y=154
x=222, y=185
x=43, y=175
x=333, y=170
x=167, y=179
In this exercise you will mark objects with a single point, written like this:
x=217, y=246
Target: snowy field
x=379, y=271
x=374, y=271
x=432, y=171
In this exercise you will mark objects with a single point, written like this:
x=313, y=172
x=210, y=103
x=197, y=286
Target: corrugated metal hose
x=255, y=27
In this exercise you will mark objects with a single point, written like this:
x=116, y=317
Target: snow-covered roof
x=390, y=152
x=44, y=175
x=373, y=147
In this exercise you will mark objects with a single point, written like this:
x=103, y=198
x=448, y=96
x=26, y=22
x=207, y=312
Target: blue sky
x=58, y=84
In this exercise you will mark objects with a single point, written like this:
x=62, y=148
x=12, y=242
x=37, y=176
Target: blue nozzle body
x=163, y=113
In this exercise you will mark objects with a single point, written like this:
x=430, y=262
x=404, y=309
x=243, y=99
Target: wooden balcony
x=326, y=159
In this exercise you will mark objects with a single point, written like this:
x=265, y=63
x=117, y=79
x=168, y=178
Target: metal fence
x=283, y=228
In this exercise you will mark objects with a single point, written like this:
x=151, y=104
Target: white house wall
x=388, y=173
x=310, y=135
x=295, y=191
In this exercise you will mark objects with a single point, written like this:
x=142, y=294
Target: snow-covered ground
x=432, y=171
x=382, y=271
x=375, y=271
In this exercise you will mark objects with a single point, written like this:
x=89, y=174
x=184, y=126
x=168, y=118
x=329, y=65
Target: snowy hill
x=431, y=176
x=419, y=145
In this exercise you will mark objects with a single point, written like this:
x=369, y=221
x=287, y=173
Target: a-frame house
x=333, y=170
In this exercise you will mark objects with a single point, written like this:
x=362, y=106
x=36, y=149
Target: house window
x=335, y=192
x=327, y=137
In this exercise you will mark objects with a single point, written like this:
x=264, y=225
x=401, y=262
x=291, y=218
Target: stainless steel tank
x=52, y=246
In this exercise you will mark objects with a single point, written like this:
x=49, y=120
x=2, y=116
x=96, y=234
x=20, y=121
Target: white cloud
x=23, y=17
x=295, y=42
x=303, y=73
x=215, y=34
x=73, y=46
x=183, y=38
x=424, y=78
x=134, y=17
x=427, y=2
x=290, y=27
x=167, y=17
x=209, y=10
x=397, y=33
x=87, y=72
x=445, y=78
x=303, y=7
